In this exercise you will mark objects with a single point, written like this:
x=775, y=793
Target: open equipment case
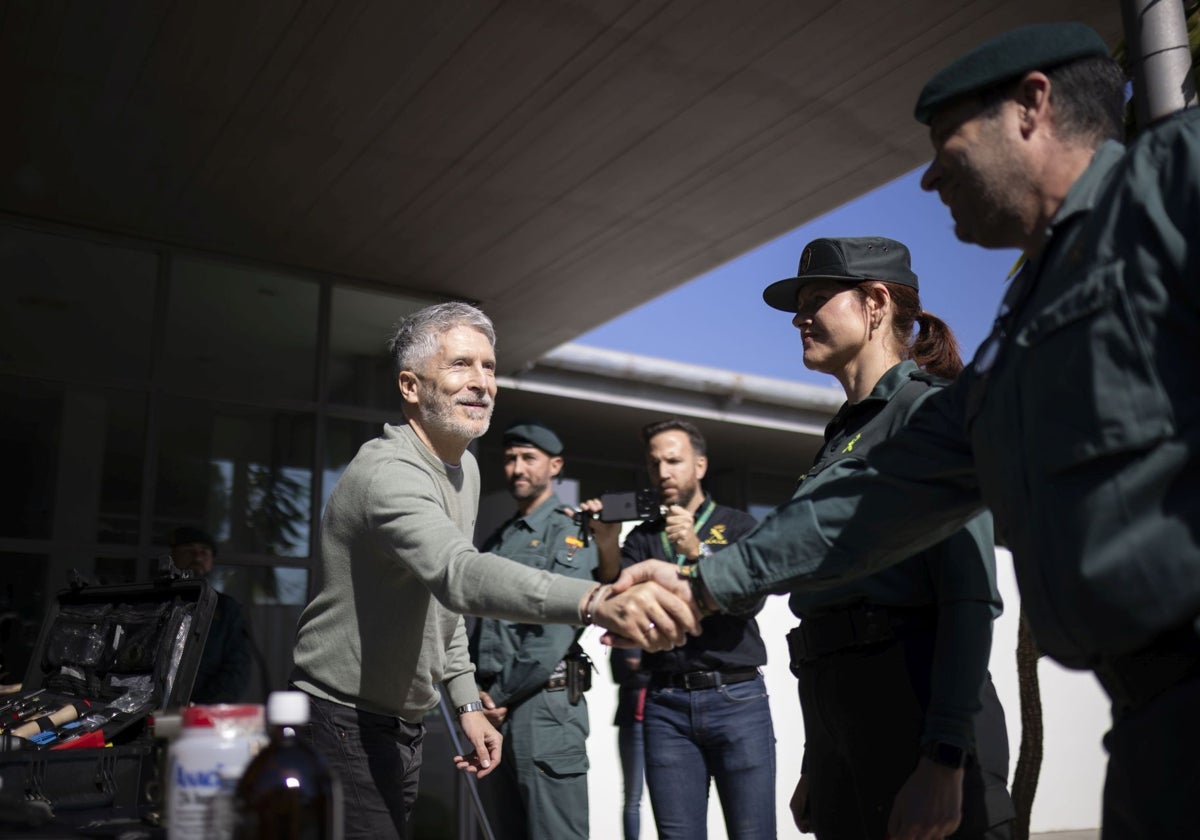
x=88, y=764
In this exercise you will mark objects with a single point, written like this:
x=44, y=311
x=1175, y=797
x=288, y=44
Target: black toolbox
x=105, y=657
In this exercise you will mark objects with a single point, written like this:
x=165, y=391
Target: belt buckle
x=703, y=680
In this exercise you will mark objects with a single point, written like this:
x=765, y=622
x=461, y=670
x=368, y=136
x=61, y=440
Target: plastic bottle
x=214, y=746
x=287, y=792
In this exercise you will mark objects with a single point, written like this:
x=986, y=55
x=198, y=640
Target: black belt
x=693, y=680
x=856, y=626
x=556, y=683
x=1132, y=680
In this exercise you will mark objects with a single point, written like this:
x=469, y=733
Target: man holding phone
x=706, y=713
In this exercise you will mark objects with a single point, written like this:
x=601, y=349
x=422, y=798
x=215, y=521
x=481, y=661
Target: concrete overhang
x=559, y=162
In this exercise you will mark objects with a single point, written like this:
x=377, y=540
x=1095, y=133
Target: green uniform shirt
x=1078, y=423
x=513, y=660
x=956, y=576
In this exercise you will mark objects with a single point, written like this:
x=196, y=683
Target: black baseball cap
x=848, y=260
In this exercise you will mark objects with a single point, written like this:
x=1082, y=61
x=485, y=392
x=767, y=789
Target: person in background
x=905, y=733
x=224, y=672
x=631, y=680
x=540, y=791
x=707, y=717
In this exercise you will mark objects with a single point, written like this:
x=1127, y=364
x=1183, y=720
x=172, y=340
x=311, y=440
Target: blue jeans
x=633, y=767
x=724, y=734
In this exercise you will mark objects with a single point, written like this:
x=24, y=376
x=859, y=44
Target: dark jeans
x=1153, y=780
x=378, y=760
x=633, y=768
x=724, y=734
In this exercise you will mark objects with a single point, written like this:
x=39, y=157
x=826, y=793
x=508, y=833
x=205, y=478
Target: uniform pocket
x=1089, y=388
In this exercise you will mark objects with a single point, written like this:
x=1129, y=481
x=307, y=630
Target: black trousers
x=1153, y=780
x=864, y=710
x=378, y=760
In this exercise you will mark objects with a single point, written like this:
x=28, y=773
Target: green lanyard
x=669, y=551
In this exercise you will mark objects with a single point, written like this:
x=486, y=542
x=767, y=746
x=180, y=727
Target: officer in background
x=1078, y=422
x=524, y=670
x=224, y=672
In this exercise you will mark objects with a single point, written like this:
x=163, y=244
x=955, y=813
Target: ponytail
x=934, y=349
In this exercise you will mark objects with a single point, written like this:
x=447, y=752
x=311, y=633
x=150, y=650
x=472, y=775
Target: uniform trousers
x=539, y=791
x=864, y=710
x=1153, y=780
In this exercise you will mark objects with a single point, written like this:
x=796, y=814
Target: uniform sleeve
x=460, y=672
x=406, y=512
x=914, y=490
x=740, y=524
x=963, y=569
x=542, y=646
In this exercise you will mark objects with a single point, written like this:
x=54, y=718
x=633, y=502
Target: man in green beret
x=540, y=791
x=1078, y=422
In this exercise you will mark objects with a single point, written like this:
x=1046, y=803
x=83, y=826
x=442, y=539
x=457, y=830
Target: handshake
x=651, y=606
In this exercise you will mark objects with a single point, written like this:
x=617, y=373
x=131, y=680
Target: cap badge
x=806, y=259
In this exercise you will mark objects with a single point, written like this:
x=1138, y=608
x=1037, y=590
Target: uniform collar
x=893, y=379
x=536, y=518
x=1082, y=196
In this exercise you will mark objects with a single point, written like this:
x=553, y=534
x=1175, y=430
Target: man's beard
x=438, y=412
x=530, y=491
x=685, y=495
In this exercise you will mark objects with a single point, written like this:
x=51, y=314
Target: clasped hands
x=649, y=607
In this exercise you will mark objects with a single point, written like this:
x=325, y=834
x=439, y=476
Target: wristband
x=589, y=609
x=473, y=706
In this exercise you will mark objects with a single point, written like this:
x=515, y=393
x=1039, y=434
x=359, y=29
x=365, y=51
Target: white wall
x=1075, y=717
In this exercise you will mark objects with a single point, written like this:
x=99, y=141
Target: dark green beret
x=533, y=434
x=847, y=260
x=1037, y=47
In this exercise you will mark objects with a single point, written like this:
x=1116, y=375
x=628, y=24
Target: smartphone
x=626, y=507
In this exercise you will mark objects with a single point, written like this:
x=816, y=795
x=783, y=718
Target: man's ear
x=1032, y=96
x=701, y=466
x=556, y=465
x=409, y=384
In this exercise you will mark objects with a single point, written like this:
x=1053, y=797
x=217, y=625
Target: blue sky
x=719, y=319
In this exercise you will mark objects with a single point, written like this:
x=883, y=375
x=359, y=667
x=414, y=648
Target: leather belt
x=856, y=626
x=693, y=680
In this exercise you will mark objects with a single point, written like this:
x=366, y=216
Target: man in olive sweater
x=396, y=569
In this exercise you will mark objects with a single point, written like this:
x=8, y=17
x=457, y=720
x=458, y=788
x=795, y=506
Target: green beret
x=533, y=434
x=1005, y=57
x=847, y=260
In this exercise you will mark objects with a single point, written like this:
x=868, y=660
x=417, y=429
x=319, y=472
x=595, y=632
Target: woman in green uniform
x=905, y=736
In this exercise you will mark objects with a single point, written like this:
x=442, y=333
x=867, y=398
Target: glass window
x=233, y=330
x=360, y=371
x=29, y=438
x=74, y=308
x=242, y=473
x=343, y=438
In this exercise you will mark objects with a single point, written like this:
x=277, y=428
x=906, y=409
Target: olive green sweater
x=395, y=571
